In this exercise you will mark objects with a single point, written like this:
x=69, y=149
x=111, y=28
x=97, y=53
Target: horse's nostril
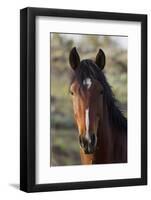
x=83, y=141
x=80, y=141
x=93, y=139
x=88, y=145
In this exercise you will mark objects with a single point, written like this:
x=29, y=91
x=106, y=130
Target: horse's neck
x=105, y=134
x=111, y=144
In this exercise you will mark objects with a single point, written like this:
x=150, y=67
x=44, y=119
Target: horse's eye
x=101, y=92
x=71, y=92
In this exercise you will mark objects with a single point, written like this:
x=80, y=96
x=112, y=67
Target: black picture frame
x=28, y=98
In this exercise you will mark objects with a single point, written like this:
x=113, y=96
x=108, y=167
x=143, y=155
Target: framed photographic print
x=83, y=99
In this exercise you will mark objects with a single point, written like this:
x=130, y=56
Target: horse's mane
x=88, y=69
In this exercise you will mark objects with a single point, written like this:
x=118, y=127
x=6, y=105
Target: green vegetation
x=64, y=145
x=65, y=148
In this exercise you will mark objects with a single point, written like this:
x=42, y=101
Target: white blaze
x=87, y=82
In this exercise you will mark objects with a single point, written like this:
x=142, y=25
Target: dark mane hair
x=88, y=69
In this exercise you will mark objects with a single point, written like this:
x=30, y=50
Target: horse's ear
x=100, y=59
x=74, y=58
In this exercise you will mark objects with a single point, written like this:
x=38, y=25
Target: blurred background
x=64, y=148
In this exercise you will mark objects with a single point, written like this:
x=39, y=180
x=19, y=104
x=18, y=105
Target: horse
x=101, y=124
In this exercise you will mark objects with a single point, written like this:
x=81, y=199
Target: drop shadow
x=15, y=185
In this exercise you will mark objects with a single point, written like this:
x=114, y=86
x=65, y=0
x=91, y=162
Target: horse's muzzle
x=88, y=144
